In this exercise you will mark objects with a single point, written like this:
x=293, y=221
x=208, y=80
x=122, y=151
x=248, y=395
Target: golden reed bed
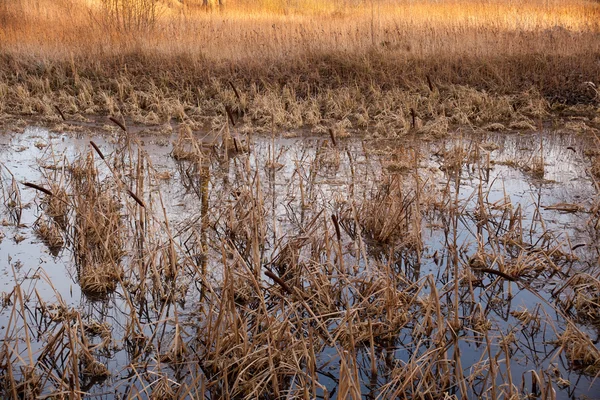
x=349, y=64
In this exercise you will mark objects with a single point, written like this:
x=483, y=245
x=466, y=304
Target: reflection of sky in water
x=564, y=181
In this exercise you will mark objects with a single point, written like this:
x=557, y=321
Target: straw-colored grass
x=380, y=65
x=242, y=298
x=297, y=270
x=50, y=233
x=97, y=230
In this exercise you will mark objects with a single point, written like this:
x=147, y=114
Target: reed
x=425, y=66
x=329, y=266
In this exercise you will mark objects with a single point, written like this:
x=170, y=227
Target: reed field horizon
x=316, y=63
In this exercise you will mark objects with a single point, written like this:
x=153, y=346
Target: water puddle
x=264, y=267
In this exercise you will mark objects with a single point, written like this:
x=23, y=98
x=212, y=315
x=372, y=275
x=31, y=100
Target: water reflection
x=462, y=261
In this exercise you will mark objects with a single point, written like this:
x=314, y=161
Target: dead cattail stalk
x=230, y=115
x=429, y=83
x=37, y=187
x=279, y=281
x=337, y=227
x=137, y=199
x=118, y=123
x=60, y=112
x=332, y=136
x=95, y=146
x=235, y=91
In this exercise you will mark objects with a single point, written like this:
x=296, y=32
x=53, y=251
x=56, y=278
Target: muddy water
x=303, y=178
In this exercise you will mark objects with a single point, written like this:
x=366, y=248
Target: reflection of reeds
x=537, y=163
x=50, y=232
x=237, y=298
x=97, y=230
x=11, y=196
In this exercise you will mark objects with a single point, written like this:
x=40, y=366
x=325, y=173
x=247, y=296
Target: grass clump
x=580, y=351
x=51, y=233
x=97, y=229
x=388, y=216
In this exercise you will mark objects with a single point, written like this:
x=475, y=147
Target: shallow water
x=313, y=180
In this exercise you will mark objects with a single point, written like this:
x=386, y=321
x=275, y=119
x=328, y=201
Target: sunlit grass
x=305, y=62
x=276, y=28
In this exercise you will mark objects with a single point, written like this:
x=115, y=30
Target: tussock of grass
x=97, y=229
x=57, y=205
x=50, y=233
x=386, y=217
x=580, y=351
x=187, y=146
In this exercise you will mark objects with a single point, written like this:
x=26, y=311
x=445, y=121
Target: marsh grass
x=408, y=66
x=50, y=232
x=275, y=308
x=186, y=147
x=97, y=228
x=56, y=205
x=594, y=153
x=11, y=196
x=299, y=272
x=580, y=351
x=387, y=216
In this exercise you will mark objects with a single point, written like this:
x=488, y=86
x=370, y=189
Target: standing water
x=188, y=267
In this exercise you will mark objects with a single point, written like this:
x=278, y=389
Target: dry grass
x=595, y=169
x=594, y=153
x=225, y=303
x=97, y=229
x=387, y=216
x=362, y=65
x=297, y=272
x=580, y=351
x=187, y=147
x=51, y=234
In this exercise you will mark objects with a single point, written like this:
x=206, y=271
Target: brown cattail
x=499, y=273
x=137, y=199
x=235, y=91
x=118, y=123
x=95, y=146
x=37, y=187
x=278, y=280
x=337, y=227
x=230, y=115
x=60, y=113
x=332, y=135
x=429, y=83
